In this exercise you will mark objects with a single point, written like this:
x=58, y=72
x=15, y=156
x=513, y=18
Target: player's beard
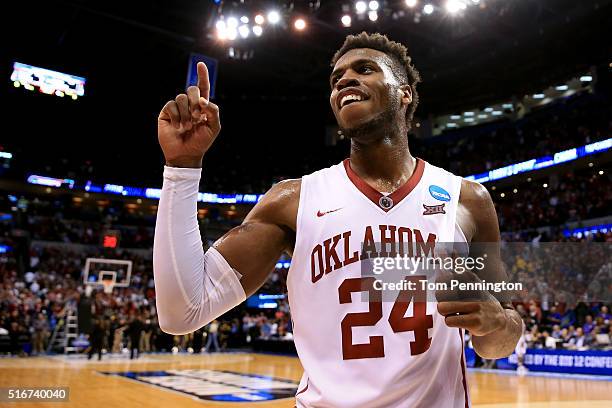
x=385, y=124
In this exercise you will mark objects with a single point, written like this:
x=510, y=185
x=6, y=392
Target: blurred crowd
x=585, y=326
x=32, y=305
x=569, y=123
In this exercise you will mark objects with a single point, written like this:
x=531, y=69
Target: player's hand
x=188, y=125
x=477, y=311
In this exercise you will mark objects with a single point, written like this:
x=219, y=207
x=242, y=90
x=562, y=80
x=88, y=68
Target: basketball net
x=108, y=285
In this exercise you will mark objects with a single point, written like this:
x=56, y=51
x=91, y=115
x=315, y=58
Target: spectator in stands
x=588, y=325
x=578, y=340
x=604, y=314
x=213, y=336
x=554, y=317
x=41, y=333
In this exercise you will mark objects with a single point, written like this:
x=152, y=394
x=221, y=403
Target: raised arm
x=193, y=286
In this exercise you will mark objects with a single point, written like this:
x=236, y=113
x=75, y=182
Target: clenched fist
x=188, y=125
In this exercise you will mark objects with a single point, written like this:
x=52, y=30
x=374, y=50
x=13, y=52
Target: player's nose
x=346, y=81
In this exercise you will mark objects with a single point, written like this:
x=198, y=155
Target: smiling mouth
x=351, y=99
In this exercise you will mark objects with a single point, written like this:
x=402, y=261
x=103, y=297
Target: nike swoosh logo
x=322, y=213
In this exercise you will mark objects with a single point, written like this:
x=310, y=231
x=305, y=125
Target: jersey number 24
x=418, y=323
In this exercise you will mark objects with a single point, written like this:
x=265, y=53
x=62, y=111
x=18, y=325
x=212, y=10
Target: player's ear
x=406, y=94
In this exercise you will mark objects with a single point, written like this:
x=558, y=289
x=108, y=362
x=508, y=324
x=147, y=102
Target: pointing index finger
x=203, y=81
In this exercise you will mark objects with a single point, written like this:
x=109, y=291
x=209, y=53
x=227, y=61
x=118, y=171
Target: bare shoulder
x=279, y=205
x=476, y=213
x=473, y=194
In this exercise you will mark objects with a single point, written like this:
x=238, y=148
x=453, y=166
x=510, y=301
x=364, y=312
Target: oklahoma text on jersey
x=334, y=252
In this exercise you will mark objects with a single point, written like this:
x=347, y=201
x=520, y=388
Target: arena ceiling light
x=562, y=88
x=361, y=7
x=232, y=33
x=244, y=31
x=257, y=30
x=244, y=19
x=273, y=17
x=411, y=3
x=373, y=5
x=373, y=15
x=346, y=20
x=428, y=9
x=232, y=22
x=299, y=24
x=259, y=19
x=454, y=6
x=586, y=78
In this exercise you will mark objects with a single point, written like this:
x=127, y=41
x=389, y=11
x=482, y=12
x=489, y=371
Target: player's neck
x=385, y=164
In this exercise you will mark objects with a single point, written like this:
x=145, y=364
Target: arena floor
x=105, y=384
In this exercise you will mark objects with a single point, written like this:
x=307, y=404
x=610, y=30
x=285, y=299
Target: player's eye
x=366, y=69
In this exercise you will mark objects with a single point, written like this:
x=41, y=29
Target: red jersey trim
x=397, y=196
x=465, y=390
x=304, y=389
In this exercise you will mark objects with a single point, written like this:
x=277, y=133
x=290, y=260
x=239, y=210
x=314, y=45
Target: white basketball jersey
x=366, y=353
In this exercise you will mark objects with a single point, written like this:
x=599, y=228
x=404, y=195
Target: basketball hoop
x=108, y=279
x=106, y=274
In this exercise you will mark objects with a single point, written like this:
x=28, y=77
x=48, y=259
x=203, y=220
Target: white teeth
x=350, y=97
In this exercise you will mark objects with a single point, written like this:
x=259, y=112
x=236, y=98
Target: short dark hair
x=396, y=51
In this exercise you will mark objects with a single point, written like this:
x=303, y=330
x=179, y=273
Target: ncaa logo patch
x=439, y=193
x=213, y=385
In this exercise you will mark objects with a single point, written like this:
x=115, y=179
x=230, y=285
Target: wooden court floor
x=90, y=388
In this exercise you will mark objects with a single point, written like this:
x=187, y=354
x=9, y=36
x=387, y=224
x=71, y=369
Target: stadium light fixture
x=259, y=19
x=373, y=15
x=232, y=33
x=244, y=30
x=273, y=17
x=538, y=96
x=586, y=78
x=496, y=113
x=454, y=6
x=373, y=5
x=468, y=113
x=244, y=19
x=299, y=24
x=257, y=30
x=489, y=110
x=411, y=3
x=221, y=30
x=561, y=88
x=232, y=22
x=428, y=9
x=361, y=7
x=455, y=117
x=346, y=20
x=469, y=120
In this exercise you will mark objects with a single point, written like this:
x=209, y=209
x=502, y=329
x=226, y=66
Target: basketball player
x=354, y=353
